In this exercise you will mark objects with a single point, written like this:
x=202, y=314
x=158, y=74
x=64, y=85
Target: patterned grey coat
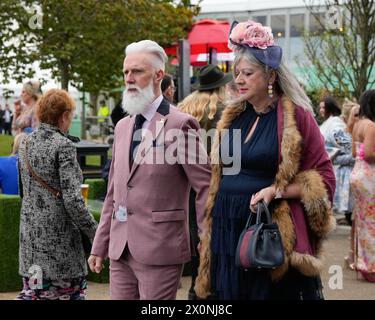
x=49, y=226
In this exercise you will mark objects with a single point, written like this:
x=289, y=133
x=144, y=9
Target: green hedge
x=97, y=188
x=10, y=207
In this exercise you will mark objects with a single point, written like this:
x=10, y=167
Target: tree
x=343, y=52
x=82, y=42
x=101, y=65
x=7, y=93
x=15, y=61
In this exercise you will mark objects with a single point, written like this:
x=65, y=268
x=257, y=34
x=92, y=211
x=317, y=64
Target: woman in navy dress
x=282, y=161
x=259, y=159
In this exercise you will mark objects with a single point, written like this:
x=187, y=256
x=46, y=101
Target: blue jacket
x=9, y=174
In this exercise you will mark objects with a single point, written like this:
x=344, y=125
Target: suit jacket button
x=130, y=187
x=130, y=212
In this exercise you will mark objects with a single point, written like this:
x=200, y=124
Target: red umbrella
x=206, y=34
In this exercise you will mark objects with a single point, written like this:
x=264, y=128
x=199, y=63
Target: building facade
x=287, y=18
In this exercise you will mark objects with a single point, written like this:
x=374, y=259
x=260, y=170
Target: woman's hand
x=353, y=118
x=267, y=194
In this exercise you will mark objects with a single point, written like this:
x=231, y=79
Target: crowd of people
x=157, y=216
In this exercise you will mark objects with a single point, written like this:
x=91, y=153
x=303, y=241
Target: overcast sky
x=229, y=5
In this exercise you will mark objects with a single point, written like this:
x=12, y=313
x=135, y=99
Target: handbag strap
x=43, y=183
x=263, y=207
x=249, y=219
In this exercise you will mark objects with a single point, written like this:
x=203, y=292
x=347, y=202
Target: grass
x=5, y=145
x=10, y=207
x=93, y=160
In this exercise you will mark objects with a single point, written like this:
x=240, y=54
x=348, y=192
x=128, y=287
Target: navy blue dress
x=259, y=164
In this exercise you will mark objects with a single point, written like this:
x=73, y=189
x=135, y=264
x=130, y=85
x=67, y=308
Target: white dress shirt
x=149, y=113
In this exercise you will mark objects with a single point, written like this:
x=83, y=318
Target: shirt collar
x=46, y=126
x=151, y=110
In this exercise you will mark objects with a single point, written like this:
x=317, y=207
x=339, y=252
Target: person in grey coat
x=54, y=216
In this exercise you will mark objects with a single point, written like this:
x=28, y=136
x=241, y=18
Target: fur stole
x=316, y=205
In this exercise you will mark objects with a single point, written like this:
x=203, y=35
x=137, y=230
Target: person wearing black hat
x=206, y=105
x=283, y=163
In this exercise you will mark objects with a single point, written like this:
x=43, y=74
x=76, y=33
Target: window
x=241, y=19
x=278, y=30
x=316, y=22
x=297, y=24
x=260, y=19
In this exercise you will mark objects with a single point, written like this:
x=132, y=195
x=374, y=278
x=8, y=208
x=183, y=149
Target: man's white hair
x=151, y=47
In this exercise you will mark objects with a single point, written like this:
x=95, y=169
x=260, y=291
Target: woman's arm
x=313, y=157
x=292, y=191
x=70, y=182
x=369, y=143
x=353, y=118
x=343, y=141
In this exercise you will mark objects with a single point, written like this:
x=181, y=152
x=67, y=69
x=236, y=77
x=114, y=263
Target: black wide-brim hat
x=211, y=77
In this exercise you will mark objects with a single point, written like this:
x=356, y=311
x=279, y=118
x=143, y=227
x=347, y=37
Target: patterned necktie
x=137, y=136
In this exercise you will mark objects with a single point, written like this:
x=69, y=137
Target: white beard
x=137, y=102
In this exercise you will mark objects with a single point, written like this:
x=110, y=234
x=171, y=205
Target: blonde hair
x=33, y=89
x=346, y=108
x=16, y=142
x=198, y=102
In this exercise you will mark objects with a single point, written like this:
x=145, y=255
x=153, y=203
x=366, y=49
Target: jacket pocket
x=170, y=215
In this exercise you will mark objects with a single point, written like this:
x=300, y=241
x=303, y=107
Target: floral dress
x=343, y=166
x=363, y=187
x=71, y=289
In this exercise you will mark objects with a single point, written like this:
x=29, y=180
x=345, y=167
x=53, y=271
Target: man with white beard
x=144, y=223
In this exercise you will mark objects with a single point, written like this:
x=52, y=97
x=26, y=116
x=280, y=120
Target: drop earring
x=270, y=90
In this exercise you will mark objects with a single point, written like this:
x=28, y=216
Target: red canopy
x=201, y=59
x=206, y=34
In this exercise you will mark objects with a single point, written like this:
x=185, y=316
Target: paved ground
x=346, y=287
x=353, y=286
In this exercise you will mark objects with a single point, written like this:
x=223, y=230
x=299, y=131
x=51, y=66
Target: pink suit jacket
x=155, y=195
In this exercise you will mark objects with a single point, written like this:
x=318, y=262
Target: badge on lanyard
x=121, y=214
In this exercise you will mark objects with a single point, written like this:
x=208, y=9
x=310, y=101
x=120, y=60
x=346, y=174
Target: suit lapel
x=155, y=128
x=127, y=143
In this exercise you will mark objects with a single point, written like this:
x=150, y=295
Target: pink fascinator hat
x=258, y=39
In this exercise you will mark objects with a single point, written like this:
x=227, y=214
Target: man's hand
x=95, y=263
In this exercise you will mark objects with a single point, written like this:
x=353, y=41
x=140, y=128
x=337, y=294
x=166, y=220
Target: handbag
x=85, y=240
x=260, y=244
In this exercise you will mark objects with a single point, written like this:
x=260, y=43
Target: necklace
x=265, y=111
